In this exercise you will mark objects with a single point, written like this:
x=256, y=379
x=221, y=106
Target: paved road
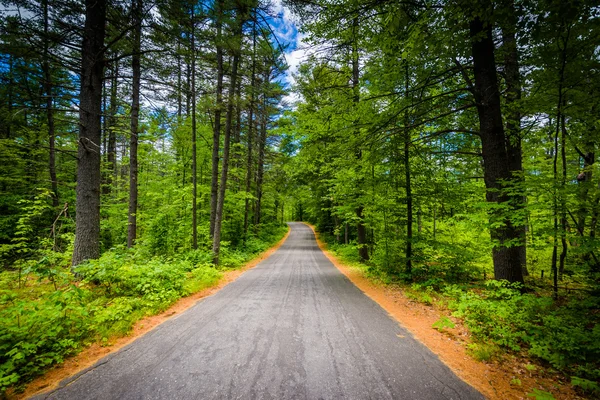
x=291, y=328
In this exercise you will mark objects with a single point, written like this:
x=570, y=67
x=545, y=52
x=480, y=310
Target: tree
x=506, y=253
x=136, y=11
x=87, y=233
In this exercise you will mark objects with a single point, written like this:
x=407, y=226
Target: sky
x=286, y=28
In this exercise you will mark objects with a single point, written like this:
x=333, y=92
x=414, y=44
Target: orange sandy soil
x=97, y=351
x=492, y=379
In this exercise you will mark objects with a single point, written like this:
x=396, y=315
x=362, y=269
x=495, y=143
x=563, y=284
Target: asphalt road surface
x=293, y=327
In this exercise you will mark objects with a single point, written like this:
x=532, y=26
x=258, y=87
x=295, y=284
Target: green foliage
x=443, y=323
x=540, y=395
x=56, y=315
x=567, y=337
x=483, y=351
x=586, y=385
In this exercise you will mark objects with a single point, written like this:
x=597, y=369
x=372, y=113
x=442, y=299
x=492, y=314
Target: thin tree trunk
x=250, y=133
x=194, y=147
x=434, y=222
x=563, y=205
x=87, y=225
x=409, y=198
x=8, y=119
x=237, y=131
x=179, y=98
x=506, y=257
x=261, y=160
x=49, y=112
x=135, y=111
x=214, y=185
x=558, y=197
x=188, y=79
x=112, y=136
x=363, y=250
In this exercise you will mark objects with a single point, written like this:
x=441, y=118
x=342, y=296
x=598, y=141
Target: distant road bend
x=293, y=327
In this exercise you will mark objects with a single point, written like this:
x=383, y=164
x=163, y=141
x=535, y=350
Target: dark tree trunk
x=135, y=111
x=49, y=112
x=237, y=131
x=563, y=205
x=87, y=228
x=363, y=249
x=179, y=98
x=262, y=141
x=214, y=185
x=513, y=125
x=558, y=198
x=361, y=236
x=192, y=85
x=249, y=138
x=409, y=198
x=346, y=233
x=507, y=261
x=409, y=204
x=112, y=136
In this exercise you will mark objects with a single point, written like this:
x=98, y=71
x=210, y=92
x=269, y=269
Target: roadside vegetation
x=47, y=313
x=139, y=156
x=452, y=148
x=558, y=337
x=449, y=147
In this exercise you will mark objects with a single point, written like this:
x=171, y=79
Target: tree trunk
x=192, y=85
x=262, y=141
x=409, y=198
x=112, y=136
x=49, y=111
x=87, y=226
x=179, y=98
x=214, y=185
x=563, y=205
x=507, y=264
x=249, y=138
x=513, y=125
x=363, y=250
x=558, y=197
x=135, y=111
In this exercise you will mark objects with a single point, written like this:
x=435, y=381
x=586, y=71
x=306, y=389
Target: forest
x=446, y=148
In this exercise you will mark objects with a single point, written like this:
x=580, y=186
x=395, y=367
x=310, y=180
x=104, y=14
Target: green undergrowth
x=559, y=335
x=47, y=314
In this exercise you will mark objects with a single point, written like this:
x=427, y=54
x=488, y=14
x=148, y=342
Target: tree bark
x=112, y=136
x=214, y=185
x=262, y=142
x=563, y=205
x=87, y=228
x=363, y=249
x=409, y=198
x=513, y=124
x=249, y=138
x=194, y=145
x=49, y=111
x=135, y=111
x=506, y=258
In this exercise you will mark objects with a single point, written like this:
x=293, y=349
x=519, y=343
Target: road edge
x=92, y=354
x=381, y=296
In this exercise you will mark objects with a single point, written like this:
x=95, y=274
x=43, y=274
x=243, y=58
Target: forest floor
x=92, y=354
x=507, y=378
